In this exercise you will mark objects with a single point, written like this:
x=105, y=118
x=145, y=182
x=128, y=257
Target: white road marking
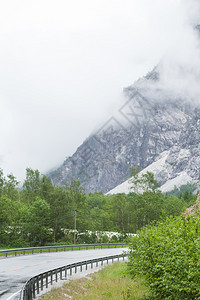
x=13, y=295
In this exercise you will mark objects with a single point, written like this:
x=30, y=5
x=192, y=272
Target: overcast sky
x=63, y=66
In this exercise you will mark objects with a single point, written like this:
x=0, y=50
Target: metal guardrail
x=6, y=253
x=37, y=283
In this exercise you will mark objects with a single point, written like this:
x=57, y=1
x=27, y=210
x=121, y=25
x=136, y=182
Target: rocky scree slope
x=149, y=123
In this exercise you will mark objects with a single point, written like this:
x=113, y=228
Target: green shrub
x=167, y=255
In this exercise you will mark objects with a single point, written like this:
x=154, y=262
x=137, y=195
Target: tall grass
x=113, y=282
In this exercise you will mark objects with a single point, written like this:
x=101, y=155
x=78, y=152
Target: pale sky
x=64, y=64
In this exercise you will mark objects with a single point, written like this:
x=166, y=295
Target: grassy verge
x=113, y=282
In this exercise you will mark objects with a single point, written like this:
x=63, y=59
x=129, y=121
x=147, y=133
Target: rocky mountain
x=153, y=126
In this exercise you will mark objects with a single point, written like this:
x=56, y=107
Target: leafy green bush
x=167, y=255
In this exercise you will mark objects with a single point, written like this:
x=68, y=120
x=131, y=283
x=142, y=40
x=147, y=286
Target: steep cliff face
x=149, y=123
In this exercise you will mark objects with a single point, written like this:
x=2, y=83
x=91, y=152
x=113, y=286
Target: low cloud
x=63, y=66
x=179, y=68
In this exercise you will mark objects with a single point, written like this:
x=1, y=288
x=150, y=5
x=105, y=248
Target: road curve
x=15, y=271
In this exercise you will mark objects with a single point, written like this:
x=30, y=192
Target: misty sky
x=63, y=66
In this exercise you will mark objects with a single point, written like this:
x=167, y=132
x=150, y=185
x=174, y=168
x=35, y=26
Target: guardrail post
x=25, y=293
x=91, y=265
x=51, y=274
x=30, y=293
x=37, y=283
x=75, y=268
x=61, y=273
x=65, y=271
x=70, y=270
x=56, y=275
x=46, y=279
x=97, y=263
x=34, y=288
x=81, y=268
x=42, y=282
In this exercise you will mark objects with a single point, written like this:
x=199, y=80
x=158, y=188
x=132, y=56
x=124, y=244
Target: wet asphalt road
x=15, y=271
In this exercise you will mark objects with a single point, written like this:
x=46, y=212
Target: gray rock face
x=147, y=124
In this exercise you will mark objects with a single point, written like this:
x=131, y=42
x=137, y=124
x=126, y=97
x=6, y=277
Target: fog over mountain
x=160, y=121
x=64, y=65
x=163, y=136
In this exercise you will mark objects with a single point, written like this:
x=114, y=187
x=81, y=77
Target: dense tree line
x=39, y=213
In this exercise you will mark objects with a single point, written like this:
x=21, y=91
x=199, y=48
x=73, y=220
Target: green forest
x=39, y=213
x=164, y=254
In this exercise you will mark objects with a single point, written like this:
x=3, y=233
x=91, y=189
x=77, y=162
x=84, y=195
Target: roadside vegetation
x=167, y=256
x=164, y=263
x=113, y=282
x=40, y=213
x=165, y=253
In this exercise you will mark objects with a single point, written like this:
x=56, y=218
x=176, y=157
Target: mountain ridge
x=160, y=114
x=148, y=124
